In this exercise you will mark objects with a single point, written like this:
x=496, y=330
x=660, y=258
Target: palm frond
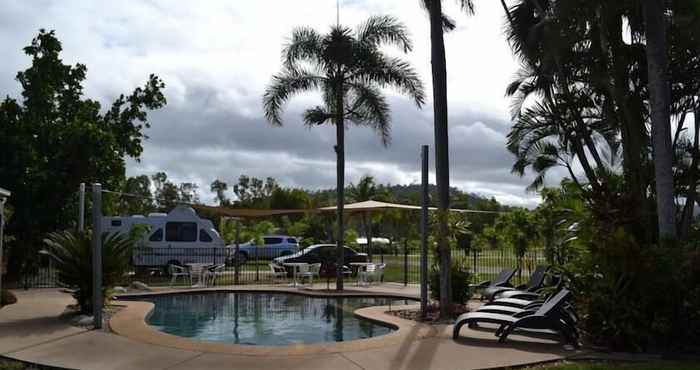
x=392, y=72
x=283, y=87
x=304, y=45
x=379, y=30
x=368, y=107
x=316, y=116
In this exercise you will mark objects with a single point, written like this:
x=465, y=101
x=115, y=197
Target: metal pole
x=236, y=267
x=2, y=233
x=81, y=208
x=368, y=215
x=405, y=262
x=97, y=254
x=424, y=234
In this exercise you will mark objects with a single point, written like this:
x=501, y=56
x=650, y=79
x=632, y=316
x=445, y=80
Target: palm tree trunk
x=439, y=69
x=659, y=96
x=507, y=11
x=340, y=191
x=692, y=182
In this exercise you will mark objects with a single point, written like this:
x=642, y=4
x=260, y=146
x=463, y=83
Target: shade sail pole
x=424, y=233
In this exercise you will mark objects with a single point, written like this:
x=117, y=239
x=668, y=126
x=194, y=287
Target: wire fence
x=221, y=267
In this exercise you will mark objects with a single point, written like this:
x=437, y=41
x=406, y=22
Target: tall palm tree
x=660, y=99
x=349, y=69
x=440, y=23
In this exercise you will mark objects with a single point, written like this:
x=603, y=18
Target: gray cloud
x=216, y=59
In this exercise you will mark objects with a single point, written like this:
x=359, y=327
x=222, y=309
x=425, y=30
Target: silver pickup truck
x=274, y=246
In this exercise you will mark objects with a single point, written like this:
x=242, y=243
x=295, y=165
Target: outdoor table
x=200, y=268
x=360, y=265
x=295, y=266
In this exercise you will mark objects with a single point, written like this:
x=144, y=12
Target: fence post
x=424, y=233
x=2, y=231
x=236, y=267
x=405, y=262
x=474, y=262
x=97, y=254
x=81, y=208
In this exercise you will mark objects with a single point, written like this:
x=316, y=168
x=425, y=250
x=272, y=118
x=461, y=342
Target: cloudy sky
x=216, y=58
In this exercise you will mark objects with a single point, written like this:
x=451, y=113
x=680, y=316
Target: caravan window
x=181, y=231
x=156, y=236
x=204, y=237
x=116, y=223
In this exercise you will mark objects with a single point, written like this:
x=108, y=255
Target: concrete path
x=30, y=331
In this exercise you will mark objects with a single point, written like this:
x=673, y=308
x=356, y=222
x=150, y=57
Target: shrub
x=460, y=277
x=7, y=298
x=11, y=365
x=72, y=252
x=638, y=298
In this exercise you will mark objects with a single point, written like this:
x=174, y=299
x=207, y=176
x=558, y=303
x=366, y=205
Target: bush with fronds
x=72, y=253
x=460, y=278
x=7, y=298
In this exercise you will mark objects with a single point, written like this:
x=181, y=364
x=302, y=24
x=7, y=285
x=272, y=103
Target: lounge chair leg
x=504, y=335
x=499, y=331
x=457, y=328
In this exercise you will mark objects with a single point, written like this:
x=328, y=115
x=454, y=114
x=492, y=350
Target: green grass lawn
x=616, y=366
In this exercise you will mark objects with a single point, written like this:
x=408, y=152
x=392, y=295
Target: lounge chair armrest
x=482, y=284
x=524, y=313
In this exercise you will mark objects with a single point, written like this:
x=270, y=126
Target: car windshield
x=305, y=251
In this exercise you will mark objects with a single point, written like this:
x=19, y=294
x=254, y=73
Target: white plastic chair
x=212, y=273
x=278, y=272
x=371, y=273
x=177, y=271
x=198, y=270
x=314, y=270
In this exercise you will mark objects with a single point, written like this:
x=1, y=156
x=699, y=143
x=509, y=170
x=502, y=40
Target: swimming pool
x=266, y=318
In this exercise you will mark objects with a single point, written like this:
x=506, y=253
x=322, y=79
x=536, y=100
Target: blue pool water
x=266, y=318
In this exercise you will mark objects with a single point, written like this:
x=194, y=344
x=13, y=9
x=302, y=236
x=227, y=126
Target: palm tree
x=349, y=69
x=660, y=99
x=440, y=23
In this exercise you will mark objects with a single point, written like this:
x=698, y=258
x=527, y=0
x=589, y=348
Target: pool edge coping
x=130, y=322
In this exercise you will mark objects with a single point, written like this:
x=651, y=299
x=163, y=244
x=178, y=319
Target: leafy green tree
x=253, y=192
x=284, y=198
x=582, y=100
x=519, y=232
x=53, y=138
x=365, y=190
x=220, y=187
x=349, y=68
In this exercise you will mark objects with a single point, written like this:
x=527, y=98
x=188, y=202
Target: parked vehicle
x=178, y=237
x=326, y=255
x=273, y=246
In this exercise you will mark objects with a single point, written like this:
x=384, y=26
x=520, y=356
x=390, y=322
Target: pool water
x=266, y=318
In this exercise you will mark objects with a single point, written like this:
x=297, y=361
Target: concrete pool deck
x=31, y=331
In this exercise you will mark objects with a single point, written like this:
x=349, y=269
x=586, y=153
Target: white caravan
x=179, y=237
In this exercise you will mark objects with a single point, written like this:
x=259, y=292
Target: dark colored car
x=326, y=255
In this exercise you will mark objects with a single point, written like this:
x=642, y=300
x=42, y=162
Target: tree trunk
x=692, y=181
x=340, y=192
x=439, y=69
x=615, y=64
x=660, y=97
